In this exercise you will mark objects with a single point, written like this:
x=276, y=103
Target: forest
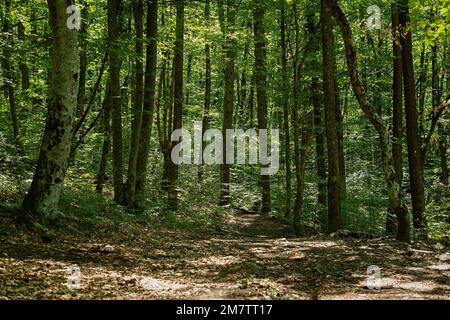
x=224, y=149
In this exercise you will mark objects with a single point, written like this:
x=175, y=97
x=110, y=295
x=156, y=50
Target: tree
x=285, y=90
x=138, y=11
x=9, y=79
x=393, y=188
x=116, y=98
x=149, y=100
x=178, y=62
x=397, y=120
x=260, y=77
x=106, y=148
x=48, y=180
x=207, y=101
x=229, y=48
x=329, y=84
x=415, y=156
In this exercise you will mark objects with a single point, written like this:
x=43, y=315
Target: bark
x=320, y=146
x=149, y=100
x=188, y=78
x=9, y=78
x=443, y=147
x=138, y=12
x=318, y=117
x=116, y=99
x=161, y=111
x=422, y=85
x=43, y=196
x=261, y=78
x=207, y=101
x=229, y=48
x=442, y=140
x=397, y=113
x=340, y=132
x=106, y=148
x=329, y=74
x=302, y=124
x=178, y=62
x=24, y=70
x=83, y=59
x=285, y=88
x=415, y=156
x=394, y=193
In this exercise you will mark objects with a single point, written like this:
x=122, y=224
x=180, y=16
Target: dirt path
x=252, y=258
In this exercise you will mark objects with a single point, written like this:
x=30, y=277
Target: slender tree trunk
x=207, y=101
x=443, y=148
x=302, y=124
x=9, y=78
x=318, y=116
x=320, y=148
x=397, y=113
x=340, y=133
x=106, y=148
x=285, y=88
x=422, y=86
x=161, y=111
x=394, y=193
x=138, y=11
x=188, y=78
x=415, y=156
x=116, y=99
x=43, y=196
x=178, y=62
x=251, y=103
x=229, y=70
x=329, y=74
x=149, y=100
x=261, y=77
x=83, y=59
x=442, y=141
x=168, y=117
x=24, y=70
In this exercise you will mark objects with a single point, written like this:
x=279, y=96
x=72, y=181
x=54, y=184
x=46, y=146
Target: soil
x=252, y=257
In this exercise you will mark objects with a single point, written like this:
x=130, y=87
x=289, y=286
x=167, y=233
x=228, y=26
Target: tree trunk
x=443, y=147
x=394, y=193
x=422, y=85
x=149, y=100
x=24, y=70
x=318, y=119
x=106, y=127
x=415, y=156
x=230, y=56
x=442, y=141
x=285, y=88
x=8, y=74
x=116, y=99
x=178, y=62
x=83, y=59
x=207, y=102
x=261, y=77
x=329, y=74
x=43, y=196
x=188, y=78
x=138, y=12
x=397, y=113
x=318, y=115
x=320, y=147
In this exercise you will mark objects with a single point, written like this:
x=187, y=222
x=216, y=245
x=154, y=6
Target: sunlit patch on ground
x=254, y=258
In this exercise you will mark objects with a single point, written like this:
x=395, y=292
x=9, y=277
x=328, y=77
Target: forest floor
x=251, y=257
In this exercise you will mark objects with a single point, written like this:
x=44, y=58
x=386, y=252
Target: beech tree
x=48, y=180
